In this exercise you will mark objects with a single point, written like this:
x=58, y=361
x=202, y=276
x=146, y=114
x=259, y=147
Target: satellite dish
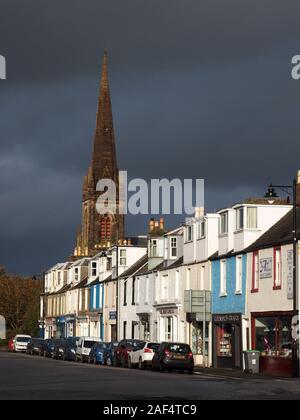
x=2, y=328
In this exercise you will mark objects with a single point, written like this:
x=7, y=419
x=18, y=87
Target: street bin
x=251, y=361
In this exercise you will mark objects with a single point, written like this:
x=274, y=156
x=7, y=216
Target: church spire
x=104, y=155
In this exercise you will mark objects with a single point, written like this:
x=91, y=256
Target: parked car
x=97, y=353
x=20, y=342
x=35, y=346
x=123, y=350
x=142, y=355
x=69, y=348
x=48, y=347
x=109, y=353
x=58, y=348
x=84, y=347
x=173, y=356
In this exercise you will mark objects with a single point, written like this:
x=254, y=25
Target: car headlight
x=73, y=351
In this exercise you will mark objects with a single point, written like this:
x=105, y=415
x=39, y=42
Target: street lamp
x=271, y=195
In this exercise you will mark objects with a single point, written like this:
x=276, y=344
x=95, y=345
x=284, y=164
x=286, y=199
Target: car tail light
x=167, y=353
x=191, y=355
x=146, y=350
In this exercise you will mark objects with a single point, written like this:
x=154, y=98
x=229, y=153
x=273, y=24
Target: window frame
x=223, y=227
x=223, y=278
x=173, y=247
x=255, y=272
x=277, y=270
x=239, y=275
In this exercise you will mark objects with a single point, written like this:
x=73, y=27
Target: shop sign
x=290, y=267
x=168, y=311
x=227, y=319
x=60, y=320
x=112, y=315
x=265, y=268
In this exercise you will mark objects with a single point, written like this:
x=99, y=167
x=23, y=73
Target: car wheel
x=161, y=367
x=115, y=362
x=123, y=363
x=95, y=361
x=141, y=364
x=108, y=361
x=191, y=371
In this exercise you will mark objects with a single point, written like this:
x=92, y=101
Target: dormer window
x=94, y=269
x=189, y=233
x=201, y=229
x=224, y=223
x=154, y=252
x=173, y=247
x=76, y=274
x=252, y=217
x=240, y=218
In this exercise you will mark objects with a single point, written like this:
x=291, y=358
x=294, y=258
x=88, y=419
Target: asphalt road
x=32, y=378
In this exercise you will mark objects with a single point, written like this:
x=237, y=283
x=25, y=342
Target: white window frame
x=224, y=223
x=223, y=278
x=239, y=275
x=123, y=257
x=173, y=243
x=255, y=226
x=240, y=218
x=189, y=233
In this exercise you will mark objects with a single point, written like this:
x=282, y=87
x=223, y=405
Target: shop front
x=70, y=326
x=50, y=327
x=60, y=327
x=96, y=324
x=169, y=326
x=227, y=341
x=272, y=336
x=144, y=326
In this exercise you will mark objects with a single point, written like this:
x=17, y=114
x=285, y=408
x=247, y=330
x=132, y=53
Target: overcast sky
x=200, y=89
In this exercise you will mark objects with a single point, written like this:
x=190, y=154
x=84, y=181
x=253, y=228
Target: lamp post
x=271, y=195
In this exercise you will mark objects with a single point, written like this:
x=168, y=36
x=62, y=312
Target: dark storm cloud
x=203, y=89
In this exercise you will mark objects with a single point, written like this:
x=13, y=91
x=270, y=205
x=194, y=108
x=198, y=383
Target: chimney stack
x=199, y=212
x=161, y=224
x=151, y=225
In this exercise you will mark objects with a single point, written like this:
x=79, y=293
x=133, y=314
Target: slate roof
x=136, y=266
x=279, y=234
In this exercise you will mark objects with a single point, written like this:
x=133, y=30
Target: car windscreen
x=101, y=346
x=23, y=340
x=153, y=346
x=179, y=348
x=134, y=344
x=88, y=344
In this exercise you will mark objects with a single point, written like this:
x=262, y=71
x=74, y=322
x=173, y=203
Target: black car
x=69, y=348
x=48, y=347
x=173, y=356
x=59, y=349
x=108, y=356
x=35, y=346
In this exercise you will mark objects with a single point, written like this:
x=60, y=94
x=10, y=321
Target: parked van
x=20, y=342
x=84, y=347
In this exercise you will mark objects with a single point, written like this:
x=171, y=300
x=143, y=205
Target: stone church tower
x=100, y=231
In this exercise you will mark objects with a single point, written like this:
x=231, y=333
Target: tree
x=19, y=303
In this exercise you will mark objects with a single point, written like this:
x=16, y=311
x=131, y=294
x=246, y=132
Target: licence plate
x=179, y=357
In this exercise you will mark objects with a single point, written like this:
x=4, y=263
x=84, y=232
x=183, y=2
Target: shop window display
x=224, y=340
x=273, y=336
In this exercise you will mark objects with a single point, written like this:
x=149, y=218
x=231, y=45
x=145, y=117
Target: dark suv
x=122, y=350
x=173, y=356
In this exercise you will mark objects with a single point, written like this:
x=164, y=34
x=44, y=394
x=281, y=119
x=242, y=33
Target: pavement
x=25, y=377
